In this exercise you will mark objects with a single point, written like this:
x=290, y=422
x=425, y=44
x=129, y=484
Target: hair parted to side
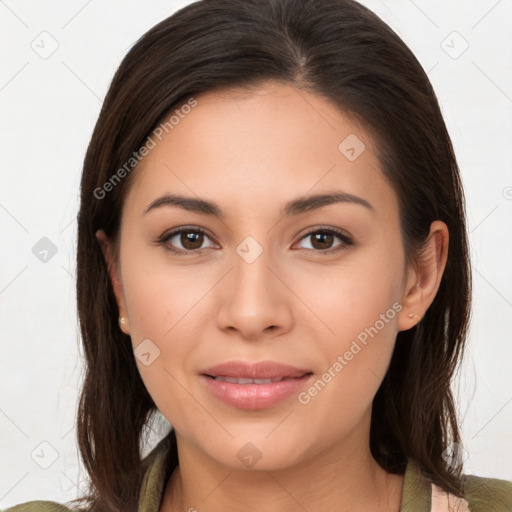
x=339, y=50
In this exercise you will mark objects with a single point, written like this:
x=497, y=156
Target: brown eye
x=185, y=240
x=324, y=240
x=191, y=240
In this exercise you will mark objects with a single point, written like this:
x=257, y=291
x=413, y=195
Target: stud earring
x=122, y=324
x=414, y=316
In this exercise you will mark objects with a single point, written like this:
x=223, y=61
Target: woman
x=272, y=253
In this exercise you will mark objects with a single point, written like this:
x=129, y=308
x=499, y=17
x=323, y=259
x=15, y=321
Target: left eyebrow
x=294, y=207
x=308, y=203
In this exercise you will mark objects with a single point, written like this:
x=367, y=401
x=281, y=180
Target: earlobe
x=423, y=281
x=115, y=279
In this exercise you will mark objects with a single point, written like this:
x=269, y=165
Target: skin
x=252, y=153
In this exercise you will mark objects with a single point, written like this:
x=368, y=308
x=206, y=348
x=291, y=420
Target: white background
x=48, y=110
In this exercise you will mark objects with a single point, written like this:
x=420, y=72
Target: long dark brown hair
x=341, y=51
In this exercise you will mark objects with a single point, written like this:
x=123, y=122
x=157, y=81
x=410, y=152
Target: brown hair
x=343, y=52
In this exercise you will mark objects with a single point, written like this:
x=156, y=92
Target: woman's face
x=317, y=286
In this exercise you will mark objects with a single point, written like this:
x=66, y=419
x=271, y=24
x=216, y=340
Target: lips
x=254, y=385
x=255, y=371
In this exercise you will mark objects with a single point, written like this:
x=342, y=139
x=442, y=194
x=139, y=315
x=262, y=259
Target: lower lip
x=254, y=396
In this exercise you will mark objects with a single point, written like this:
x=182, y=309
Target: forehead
x=272, y=143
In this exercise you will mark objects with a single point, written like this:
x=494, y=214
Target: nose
x=254, y=302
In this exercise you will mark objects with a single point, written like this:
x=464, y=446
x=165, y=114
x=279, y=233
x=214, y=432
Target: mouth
x=261, y=370
x=243, y=381
x=254, y=385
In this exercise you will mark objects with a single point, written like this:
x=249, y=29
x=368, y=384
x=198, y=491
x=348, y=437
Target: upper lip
x=259, y=370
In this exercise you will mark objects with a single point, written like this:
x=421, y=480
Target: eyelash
x=346, y=241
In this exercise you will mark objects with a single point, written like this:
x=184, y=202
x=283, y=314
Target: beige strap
x=446, y=502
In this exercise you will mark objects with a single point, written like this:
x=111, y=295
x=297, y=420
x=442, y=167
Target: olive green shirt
x=418, y=494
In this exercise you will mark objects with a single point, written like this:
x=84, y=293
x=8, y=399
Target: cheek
x=353, y=295
x=337, y=402
x=358, y=306
x=167, y=307
x=162, y=298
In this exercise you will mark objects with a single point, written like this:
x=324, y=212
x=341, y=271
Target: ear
x=423, y=281
x=115, y=276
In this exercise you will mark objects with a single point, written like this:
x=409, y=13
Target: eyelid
x=346, y=239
